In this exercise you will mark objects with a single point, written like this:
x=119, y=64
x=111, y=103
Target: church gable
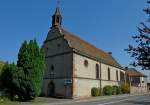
x=54, y=33
x=56, y=46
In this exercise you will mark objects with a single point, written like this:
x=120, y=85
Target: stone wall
x=59, y=66
x=140, y=87
x=84, y=77
x=137, y=90
x=82, y=87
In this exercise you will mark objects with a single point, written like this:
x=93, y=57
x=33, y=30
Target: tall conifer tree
x=31, y=67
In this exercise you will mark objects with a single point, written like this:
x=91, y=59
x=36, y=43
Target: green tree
x=7, y=79
x=31, y=67
x=1, y=66
x=141, y=50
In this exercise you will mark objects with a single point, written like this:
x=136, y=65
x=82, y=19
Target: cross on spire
x=58, y=3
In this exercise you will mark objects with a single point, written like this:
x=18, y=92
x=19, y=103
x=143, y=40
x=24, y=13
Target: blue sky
x=107, y=24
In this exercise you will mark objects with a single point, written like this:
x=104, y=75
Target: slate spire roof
x=57, y=11
x=56, y=18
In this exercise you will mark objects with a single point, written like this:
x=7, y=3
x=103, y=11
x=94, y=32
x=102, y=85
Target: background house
x=148, y=87
x=137, y=81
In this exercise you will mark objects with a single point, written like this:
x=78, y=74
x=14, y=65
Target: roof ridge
x=89, y=49
x=137, y=72
x=85, y=42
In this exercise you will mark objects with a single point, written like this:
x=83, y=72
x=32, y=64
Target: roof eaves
x=97, y=59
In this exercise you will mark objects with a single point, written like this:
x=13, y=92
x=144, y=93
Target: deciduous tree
x=141, y=51
x=7, y=78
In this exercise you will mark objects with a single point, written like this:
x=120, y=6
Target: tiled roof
x=84, y=47
x=134, y=73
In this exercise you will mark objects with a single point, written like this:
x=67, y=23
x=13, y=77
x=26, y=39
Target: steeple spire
x=57, y=18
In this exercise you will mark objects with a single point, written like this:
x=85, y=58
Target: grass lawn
x=7, y=102
x=32, y=102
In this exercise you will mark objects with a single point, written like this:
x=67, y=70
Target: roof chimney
x=126, y=68
x=110, y=53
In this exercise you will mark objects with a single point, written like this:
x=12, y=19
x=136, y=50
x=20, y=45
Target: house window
x=142, y=81
x=85, y=63
x=117, y=75
x=108, y=73
x=97, y=71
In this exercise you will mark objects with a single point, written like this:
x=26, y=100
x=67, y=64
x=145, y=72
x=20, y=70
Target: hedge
x=107, y=90
x=110, y=90
x=114, y=90
x=119, y=90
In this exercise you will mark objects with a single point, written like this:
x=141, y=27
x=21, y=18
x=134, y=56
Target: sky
x=107, y=24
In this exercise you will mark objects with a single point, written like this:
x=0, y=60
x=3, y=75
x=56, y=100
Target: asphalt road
x=125, y=99
x=128, y=100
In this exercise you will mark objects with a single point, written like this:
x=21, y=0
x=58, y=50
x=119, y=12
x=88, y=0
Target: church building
x=74, y=66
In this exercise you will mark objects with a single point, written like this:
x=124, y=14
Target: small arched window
x=85, y=63
x=97, y=71
x=117, y=75
x=52, y=67
x=108, y=73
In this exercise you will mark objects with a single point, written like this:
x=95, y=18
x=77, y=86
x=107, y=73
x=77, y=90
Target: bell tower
x=56, y=18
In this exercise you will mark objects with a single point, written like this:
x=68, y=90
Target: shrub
x=125, y=88
x=119, y=90
x=114, y=90
x=96, y=91
x=107, y=90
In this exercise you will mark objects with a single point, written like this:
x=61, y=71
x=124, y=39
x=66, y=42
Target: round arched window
x=85, y=63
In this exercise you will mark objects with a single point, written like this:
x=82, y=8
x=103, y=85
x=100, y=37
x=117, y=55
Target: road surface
x=122, y=100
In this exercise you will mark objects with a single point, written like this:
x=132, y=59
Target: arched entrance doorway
x=51, y=89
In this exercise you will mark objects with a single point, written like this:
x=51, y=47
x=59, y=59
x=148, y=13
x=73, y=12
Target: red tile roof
x=132, y=72
x=84, y=47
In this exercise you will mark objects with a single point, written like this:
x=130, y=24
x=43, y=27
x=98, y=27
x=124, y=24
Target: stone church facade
x=73, y=66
